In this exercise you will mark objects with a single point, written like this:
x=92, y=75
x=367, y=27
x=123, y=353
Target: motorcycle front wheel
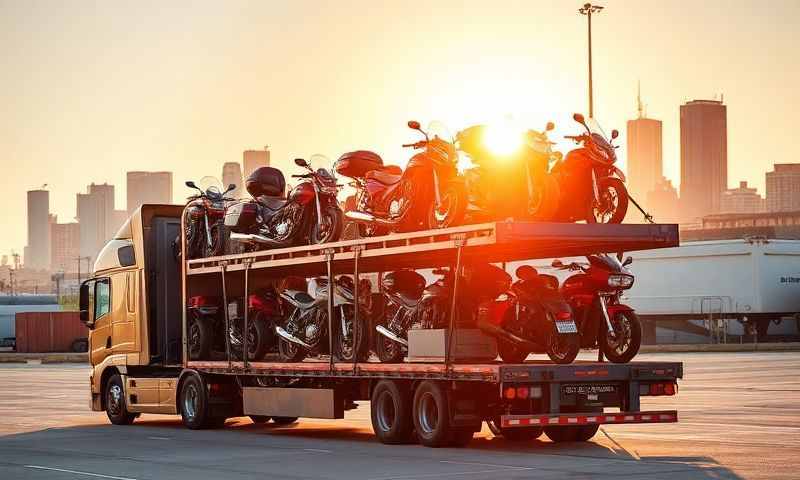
x=200, y=337
x=613, y=203
x=451, y=210
x=329, y=227
x=545, y=200
x=623, y=344
x=345, y=347
x=220, y=236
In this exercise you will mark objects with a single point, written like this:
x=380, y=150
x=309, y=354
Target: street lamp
x=588, y=9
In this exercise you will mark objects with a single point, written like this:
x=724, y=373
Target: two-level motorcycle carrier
x=438, y=403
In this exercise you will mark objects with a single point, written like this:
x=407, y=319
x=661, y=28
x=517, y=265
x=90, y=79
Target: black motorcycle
x=305, y=331
x=206, y=233
x=308, y=215
x=409, y=304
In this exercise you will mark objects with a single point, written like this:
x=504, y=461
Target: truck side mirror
x=85, y=304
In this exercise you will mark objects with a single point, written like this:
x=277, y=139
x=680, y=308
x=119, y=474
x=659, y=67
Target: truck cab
x=131, y=305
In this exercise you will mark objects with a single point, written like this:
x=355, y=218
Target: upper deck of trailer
x=488, y=242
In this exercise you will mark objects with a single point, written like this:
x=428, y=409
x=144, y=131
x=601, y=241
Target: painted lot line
x=76, y=472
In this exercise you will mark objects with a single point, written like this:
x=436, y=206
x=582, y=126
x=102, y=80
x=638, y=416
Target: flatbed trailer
x=439, y=403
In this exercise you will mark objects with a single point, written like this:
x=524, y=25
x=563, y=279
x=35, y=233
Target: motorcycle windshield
x=437, y=129
x=605, y=262
x=601, y=139
x=211, y=186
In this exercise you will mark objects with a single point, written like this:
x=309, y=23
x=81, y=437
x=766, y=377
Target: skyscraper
x=644, y=154
x=232, y=174
x=97, y=221
x=148, y=187
x=783, y=188
x=662, y=201
x=253, y=159
x=37, y=252
x=65, y=246
x=704, y=157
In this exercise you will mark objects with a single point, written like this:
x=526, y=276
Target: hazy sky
x=89, y=90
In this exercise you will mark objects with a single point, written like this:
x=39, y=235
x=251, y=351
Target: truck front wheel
x=390, y=410
x=116, y=405
x=571, y=434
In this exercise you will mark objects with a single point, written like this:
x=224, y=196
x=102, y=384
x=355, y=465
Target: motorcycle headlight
x=620, y=281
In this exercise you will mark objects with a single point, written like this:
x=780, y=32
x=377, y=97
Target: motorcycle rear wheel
x=200, y=338
x=388, y=350
x=627, y=338
x=544, y=205
x=561, y=348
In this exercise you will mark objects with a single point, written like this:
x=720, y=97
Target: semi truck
x=135, y=306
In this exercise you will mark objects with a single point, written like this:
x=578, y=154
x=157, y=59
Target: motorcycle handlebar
x=576, y=138
x=419, y=144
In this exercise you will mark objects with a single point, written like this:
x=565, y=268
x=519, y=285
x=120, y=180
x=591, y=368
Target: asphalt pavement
x=739, y=418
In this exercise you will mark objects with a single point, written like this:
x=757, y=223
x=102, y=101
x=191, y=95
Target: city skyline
x=187, y=106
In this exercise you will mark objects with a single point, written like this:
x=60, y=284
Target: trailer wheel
x=571, y=434
x=432, y=417
x=283, y=421
x=194, y=405
x=260, y=419
x=391, y=413
x=116, y=404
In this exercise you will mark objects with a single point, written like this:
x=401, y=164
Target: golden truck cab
x=131, y=304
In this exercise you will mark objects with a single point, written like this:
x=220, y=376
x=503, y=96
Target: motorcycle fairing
x=300, y=299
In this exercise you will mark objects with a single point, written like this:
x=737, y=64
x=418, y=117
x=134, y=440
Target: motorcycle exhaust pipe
x=364, y=217
x=252, y=237
x=390, y=335
x=288, y=336
x=497, y=331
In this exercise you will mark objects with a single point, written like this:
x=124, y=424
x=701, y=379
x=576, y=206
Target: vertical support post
x=460, y=241
x=184, y=272
x=246, y=331
x=357, y=309
x=329, y=262
x=223, y=269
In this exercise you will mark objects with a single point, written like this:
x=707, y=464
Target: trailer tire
x=283, y=421
x=116, y=402
x=390, y=409
x=431, y=415
x=194, y=405
x=580, y=433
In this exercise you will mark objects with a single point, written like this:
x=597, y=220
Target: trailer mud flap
x=293, y=402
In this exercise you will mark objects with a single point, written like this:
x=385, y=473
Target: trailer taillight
x=658, y=389
x=522, y=392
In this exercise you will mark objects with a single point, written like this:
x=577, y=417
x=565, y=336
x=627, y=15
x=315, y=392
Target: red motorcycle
x=590, y=187
x=427, y=194
x=207, y=325
x=594, y=295
x=206, y=234
x=527, y=316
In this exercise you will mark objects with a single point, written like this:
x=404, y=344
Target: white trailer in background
x=754, y=281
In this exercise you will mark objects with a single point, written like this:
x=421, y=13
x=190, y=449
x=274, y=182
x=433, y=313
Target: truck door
x=95, y=311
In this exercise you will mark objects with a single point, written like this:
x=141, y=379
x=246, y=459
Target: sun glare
x=502, y=139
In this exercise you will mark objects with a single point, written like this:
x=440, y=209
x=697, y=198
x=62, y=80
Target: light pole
x=588, y=9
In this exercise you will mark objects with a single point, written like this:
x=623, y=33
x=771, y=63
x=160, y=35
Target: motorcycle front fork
x=596, y=192
x=437, y=195
x=604, y=310
x=208, y=230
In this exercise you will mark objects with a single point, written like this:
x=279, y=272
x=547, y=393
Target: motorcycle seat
x=299, y=298
x=388, y=175
x=405, y=300
x=272, y=204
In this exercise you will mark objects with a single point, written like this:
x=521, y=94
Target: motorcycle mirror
x=191, y=184
x=550, y=126
x=413, y=124
x=614, y=134
x=627, y=261
x=231, y=187
x=526, y=272
x=300, y=162
x=557, y=263
x=579, y=118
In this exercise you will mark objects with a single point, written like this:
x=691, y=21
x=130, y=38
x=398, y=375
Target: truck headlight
x=620, y=281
